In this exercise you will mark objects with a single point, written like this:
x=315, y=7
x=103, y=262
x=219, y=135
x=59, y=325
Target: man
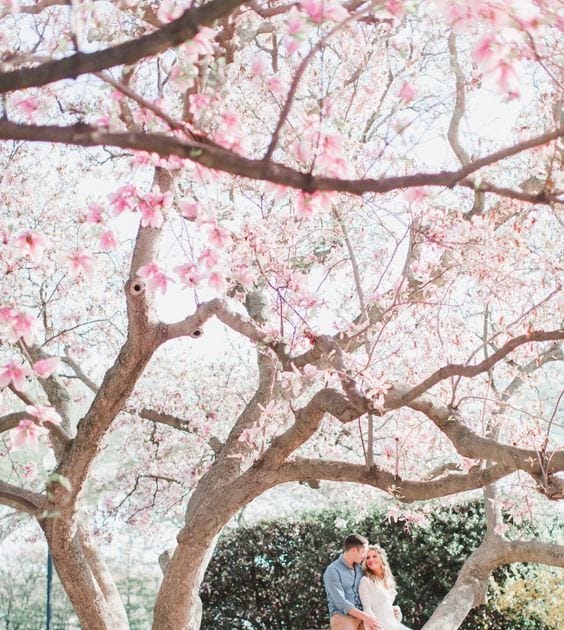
x=341, y=580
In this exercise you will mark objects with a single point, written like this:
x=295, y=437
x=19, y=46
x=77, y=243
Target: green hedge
x=269, y=576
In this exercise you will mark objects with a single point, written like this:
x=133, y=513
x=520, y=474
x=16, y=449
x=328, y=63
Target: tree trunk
x=85, y=578
x=178, y=606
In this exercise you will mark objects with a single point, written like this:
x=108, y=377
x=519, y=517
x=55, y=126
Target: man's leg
x=345, y=622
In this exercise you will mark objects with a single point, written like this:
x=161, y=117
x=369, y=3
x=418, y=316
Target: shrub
x=269, y=576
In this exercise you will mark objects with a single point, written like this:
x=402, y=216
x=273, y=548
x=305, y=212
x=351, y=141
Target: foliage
x=270, y=575
x=540, y=597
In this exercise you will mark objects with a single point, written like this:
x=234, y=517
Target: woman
x=377, y=590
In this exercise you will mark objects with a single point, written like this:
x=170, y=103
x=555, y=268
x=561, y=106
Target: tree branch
x=218, y=158
x=170, y=35
x=454, y=369
x=404, y=490
x=179, y=424
x=471, y=445
x=92, y=386
x=11, y=420
x=20, y=499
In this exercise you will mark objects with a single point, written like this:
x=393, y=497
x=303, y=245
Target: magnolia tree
x=364, y=194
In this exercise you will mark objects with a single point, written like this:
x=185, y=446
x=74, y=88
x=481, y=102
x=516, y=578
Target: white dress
x=378, y=601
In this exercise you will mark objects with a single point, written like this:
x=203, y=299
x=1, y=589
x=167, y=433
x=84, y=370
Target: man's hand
x=397, y=612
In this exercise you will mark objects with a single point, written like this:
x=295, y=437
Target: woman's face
x=373, y=563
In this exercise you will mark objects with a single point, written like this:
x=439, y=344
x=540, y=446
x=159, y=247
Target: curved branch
x=22, y=500
x=471, y=585
x=218, y=307
x=457, y=115
x=179, y=424
x=535, y=551
x=471, y=445
x=216, y=157
x=172, y=34
x=11, y=420
x=404, y=490
x=454, y=369
x=80, y=374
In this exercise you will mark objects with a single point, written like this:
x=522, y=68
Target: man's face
x=359, y=553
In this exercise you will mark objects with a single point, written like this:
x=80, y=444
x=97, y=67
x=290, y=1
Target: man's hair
x=355, y=540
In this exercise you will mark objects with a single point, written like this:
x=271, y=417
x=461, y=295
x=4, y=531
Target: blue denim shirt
x=341, y=585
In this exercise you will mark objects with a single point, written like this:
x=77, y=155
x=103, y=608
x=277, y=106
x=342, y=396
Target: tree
x=364, y=194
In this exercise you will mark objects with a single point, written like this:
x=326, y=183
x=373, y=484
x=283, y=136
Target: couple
x=361, y=589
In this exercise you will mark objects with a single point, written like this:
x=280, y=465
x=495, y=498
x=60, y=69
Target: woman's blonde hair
x=388, y=579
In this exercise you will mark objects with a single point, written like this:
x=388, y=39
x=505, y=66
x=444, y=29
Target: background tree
x=364, y=194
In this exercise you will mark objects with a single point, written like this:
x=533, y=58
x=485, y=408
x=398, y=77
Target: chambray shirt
x=341, y=585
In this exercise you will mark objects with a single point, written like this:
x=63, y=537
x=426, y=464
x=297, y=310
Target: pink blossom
x=190, y=210
x=217, y=281
x=291, y=46
x=277, y=86
x=182, y=76
x=415, y=194
x=219, y=237
x=304, y=206
x=7, y=314
x=108, y=241
x=168, y=11
x=32, y=244
x=407, y=92
x=14, y=373
x=26, y=433
x=199, y=103
x=201, y=44
x=229, y=134
x=46, y=367
x=321, y=10
x=507, y=79
x=310, y=371
x=123, y=199
x=80, y=260
x=306, y=203
x=483, y=51
x=29, y=471
x=28, y=107
x=44, y=414
x=208, y=258
x=150, y=217
x=246, y=278
x=22, y=325
x=188, y=275
x=95, y=213
x=152, y=206
x=155, y=277
x=258, y=65
x=296, y=22
x=396, y=8
x=301, y=150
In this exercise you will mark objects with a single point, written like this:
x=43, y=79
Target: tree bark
x=85, y=578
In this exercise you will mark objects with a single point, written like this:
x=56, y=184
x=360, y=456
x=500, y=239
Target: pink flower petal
x=46, y=367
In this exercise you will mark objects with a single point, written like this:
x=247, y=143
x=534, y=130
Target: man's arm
x=335, y=591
